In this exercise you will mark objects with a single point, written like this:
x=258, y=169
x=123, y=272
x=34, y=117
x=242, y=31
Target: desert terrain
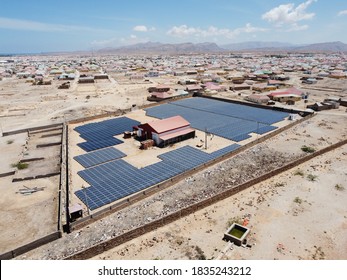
x=299, y=214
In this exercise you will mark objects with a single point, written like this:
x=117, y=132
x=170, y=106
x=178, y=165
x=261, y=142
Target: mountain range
x=208, y=47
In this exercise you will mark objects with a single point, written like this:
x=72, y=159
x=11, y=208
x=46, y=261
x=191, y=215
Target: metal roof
x=168, y=124
x=176, y=134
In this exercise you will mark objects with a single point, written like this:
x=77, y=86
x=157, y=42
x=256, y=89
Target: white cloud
x=105, y=43
x=297, y=27
x=342, y=13
x=140, y=28
x=143, y=28
x=19, y=24
x=289, y=14
x=184, y=31
x=132, y=39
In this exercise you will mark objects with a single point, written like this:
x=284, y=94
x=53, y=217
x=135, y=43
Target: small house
x=167, y=131
x=258, y=98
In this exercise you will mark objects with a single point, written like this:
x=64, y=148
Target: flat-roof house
x=167, y=131
x=159, y=88
x=100, y=76
x=279, y=95
x=289, y=95
x=263, y=87
x=212, y=86
x=193, y=88
x=276, y=83
x=243, y=86
x=159, y=96
x=258, y=98
x=320, y=106
x=86, y=80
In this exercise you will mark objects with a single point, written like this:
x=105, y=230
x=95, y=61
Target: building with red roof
x=290, y=94
x=166, y=131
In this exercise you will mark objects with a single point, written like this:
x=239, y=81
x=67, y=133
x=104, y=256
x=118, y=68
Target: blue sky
x=43, y=26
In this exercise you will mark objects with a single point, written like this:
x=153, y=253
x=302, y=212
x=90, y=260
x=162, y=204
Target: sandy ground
x=290, y=217
x=250, y=164
x=142, y=158
x=25, y=218
x=38, y=211
x=23, y=105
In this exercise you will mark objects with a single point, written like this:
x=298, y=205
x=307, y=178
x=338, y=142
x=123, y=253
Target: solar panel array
x=233, y=110
x=227, y=120
x=95, y=145
x=118, y=179
x=99, y=156
x=186, y=158
x=111, y=178
x=225, y=150
x=100, y=135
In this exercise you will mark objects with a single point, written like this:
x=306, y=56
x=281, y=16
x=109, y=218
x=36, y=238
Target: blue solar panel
x=117, y=125
x=95, y=145
x=117, y=179
x=100, y=135
x=225, y=150
x=231, y=121
x=186, y=157
x=233, y=110
x=99, y=156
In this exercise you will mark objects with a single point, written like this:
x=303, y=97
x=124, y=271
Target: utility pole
x=85, y=194
x=257, y=129
x=205, y=138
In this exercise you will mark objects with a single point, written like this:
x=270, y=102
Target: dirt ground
x=290, y=217
x=247, y=165
x=38, y=211
x=312, y=227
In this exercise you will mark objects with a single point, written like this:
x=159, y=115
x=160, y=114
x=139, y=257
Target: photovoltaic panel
x=95, y=145
x=233, y=110
x=225, y=150
x=99, y=156
x=116, y=125
x=231, y=121
x=186, y=157
x=117, y=179
x=100, y=134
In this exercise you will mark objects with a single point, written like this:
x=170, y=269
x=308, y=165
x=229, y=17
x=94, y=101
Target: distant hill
x=184, y=48
x=323, y=47
x=256, y=45
x=155, y=47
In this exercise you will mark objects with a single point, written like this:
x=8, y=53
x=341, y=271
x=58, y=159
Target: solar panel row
x=99, y=156
x=100, y=135
x=227, y=120
x=117, y=179
x=233, y=110
x=95, y=145
x=111, y=124
x=225, y=150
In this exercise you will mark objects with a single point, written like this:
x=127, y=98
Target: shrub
x=307, y=149
x=298, y=200
x=339, y=187
x=200, y=255
x=236, y=220
x=20, y=165
x=299, y=172
x=312, y=177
